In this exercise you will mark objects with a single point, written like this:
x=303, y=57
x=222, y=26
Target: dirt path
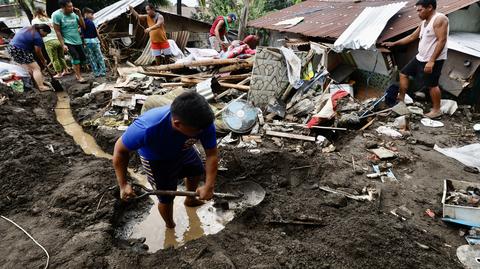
x=54, y=195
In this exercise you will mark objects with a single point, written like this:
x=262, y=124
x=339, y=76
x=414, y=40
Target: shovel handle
x=174, y=193
x=183, y=193
x=193, y=194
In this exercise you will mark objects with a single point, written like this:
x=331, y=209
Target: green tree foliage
x=258, y=8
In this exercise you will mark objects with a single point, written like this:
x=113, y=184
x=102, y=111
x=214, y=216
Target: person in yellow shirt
x=158, y=36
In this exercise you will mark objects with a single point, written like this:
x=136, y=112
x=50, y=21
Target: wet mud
x=63, y=198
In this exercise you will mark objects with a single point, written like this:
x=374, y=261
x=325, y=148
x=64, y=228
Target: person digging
x=432, y=52
x=164, y=138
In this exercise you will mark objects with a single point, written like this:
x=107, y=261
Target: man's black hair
x=64, y=3
x=150, y=5
x=193, y=110
x=88, y=10
x=426, y=3
x=42, y=27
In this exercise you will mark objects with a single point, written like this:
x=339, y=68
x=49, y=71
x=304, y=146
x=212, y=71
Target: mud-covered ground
x=54, y=195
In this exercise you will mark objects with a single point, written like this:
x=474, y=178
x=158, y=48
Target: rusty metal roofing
x=329, y=19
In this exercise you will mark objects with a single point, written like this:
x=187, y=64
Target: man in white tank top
x=432, y=52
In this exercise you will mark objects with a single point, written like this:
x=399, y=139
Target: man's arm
x=158, y=24
x=217, y=31
x=38, y=52
x=404, y=41
x=440, y=27
x=135, y=13
x=211, y=166
x=121, y=156
x=80, y=17
x=59, y=36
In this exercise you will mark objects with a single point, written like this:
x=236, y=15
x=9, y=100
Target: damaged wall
x=457, y=72
x=466, y=20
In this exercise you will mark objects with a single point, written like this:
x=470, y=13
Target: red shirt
x=214, y=26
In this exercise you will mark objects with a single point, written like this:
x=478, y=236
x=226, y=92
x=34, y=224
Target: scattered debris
x=370, y=193
x=389, y=132
x=383, y=153
x=430, y=213
x=431, y=123
x=461, y=202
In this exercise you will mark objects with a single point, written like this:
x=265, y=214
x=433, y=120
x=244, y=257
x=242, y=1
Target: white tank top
x=428, y=41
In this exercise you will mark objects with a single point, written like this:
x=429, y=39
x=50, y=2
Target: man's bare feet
x=44, y=89
x=193, y=202
x=433, y=114
x=170, y=225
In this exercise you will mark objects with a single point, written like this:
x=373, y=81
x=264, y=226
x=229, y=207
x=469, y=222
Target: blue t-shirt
x=26, y=39
x=90, y=30
x=154, y=137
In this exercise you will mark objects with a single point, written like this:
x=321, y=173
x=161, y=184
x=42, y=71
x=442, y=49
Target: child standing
x=92, y=45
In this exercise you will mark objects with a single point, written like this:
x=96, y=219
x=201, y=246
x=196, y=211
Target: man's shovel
x=57, y=86
x=241, y=194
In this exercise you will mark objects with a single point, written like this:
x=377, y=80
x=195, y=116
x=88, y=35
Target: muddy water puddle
x=192, y=223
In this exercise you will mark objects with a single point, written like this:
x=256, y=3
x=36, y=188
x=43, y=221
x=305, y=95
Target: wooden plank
x=235, y=67
x=235, y=86
x=292, y=136
x=234, y=77
x=208, y=62
x=172, y=84
x=124, y=71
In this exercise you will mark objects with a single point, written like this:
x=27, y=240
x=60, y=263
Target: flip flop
x=435, y=116
x=81, y=80
x=58, y=76
x=46, y=89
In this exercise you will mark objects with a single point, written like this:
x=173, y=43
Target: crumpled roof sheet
x=467, y=43
x=114, y=10
x=329, y=19
x=364, y=31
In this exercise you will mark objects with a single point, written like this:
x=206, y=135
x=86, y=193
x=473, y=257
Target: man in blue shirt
x=164, y=138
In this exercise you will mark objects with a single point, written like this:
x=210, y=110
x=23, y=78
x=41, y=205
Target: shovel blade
x=249, y=194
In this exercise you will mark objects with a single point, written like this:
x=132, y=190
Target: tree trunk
x=27, y=7
x=243, y=20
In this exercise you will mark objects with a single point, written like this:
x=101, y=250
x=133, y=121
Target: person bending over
x=164, y=138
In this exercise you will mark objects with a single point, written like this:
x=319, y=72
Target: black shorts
x=415, y=67
x=19, y=55
x=77, y=53
x=164, y=175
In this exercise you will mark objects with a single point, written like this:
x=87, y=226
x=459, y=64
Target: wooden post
x=179, y=7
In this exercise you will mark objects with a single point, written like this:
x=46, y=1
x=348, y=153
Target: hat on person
x=232, y=16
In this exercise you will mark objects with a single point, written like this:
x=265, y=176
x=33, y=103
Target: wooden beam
x=234, y=77
x=235, y=67
x=292, y=136
x=235, y=86
x=208, y=62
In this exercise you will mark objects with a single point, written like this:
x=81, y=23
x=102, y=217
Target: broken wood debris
x=292, y=136
x=208, y=62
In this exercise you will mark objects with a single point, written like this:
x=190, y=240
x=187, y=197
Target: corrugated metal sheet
x=115, y=10
x=364, y=31
x=467, y=43
x=329, y=19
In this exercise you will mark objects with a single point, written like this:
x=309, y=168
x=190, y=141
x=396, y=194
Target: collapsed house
x=326, y=21
x=120, y=42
